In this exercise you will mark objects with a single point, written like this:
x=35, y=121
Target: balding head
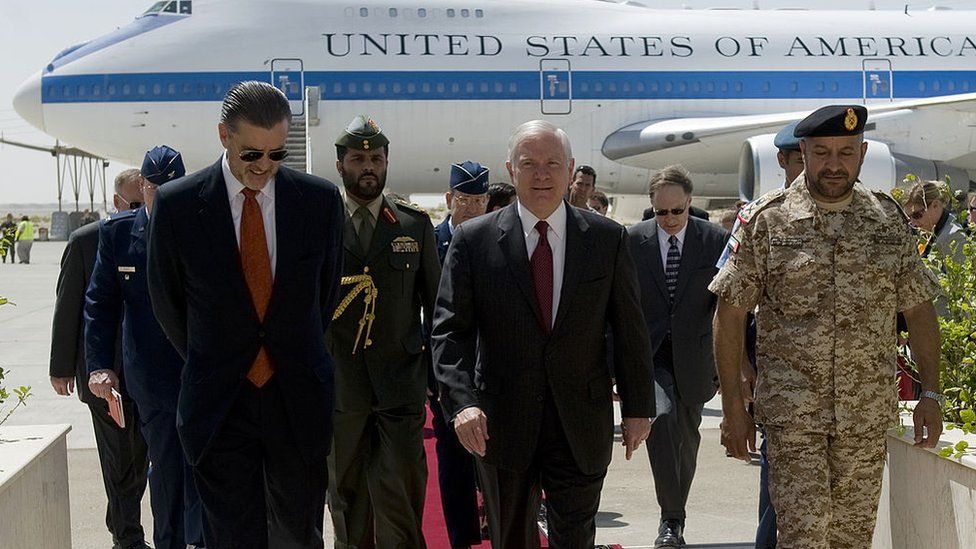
x=128, y=189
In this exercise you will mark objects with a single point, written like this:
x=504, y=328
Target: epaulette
x=885, y=197
x=750, y=210
x=127, y=214
x=409, y=206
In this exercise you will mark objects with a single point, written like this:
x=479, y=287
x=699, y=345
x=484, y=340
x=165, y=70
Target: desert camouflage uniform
x=828, y=285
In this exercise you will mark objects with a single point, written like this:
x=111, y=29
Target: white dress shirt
x=663, y=238
x=557, y=242
x=265, y=198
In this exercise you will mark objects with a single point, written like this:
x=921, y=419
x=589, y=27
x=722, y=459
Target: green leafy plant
x=22, y=393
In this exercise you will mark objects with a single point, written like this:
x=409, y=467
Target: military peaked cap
x=162, y=165
x=362, y=134
x=469, y=178
x=833, y=121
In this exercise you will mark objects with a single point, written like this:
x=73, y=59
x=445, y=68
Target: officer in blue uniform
x=456, y=475
x=119, y=292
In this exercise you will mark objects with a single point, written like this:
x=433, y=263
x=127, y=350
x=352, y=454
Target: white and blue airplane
x=636, y=88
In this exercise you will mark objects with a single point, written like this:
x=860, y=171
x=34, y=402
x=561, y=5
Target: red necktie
x=541, y=265
x=257, y=272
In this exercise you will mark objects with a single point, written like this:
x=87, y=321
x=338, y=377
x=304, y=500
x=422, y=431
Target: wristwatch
x=938, y=397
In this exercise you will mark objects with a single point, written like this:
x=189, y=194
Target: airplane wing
x=712, y=144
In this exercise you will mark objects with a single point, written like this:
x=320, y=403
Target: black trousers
x=258, y=490
x=674, y=441
x=458, y=483
x=572, y=497
x=124, y=461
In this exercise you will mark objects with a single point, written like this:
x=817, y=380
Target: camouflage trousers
x=825, y=488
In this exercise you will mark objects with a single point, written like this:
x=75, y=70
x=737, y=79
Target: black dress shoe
x=669, y=535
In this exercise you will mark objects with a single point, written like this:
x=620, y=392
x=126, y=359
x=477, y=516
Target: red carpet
x=435, y=529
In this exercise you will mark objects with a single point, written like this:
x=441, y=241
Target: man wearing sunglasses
x=829, y=263
x=675, y=256
x=379, y=475
x=244, y=269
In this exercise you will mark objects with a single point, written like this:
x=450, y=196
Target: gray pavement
x=721, y=509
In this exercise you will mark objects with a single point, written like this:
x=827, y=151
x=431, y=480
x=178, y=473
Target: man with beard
x=829, y=263
x=391, y=272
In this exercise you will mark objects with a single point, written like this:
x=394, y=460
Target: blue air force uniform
x=119, y=292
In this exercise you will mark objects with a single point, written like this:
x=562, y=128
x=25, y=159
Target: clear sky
x=33, y=31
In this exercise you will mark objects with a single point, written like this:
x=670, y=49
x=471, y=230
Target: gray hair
x=533, y=128
x=124, y=177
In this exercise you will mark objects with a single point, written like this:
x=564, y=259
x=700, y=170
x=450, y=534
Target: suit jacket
x=202, y=301
x=119, y=292
x=402, y=261
x=689, y=319
x=442, y=232
x=491, y=351
x=68, y=330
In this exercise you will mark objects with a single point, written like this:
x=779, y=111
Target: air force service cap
x=469, y=178
x=362, y=134
x=162, y=165
x=785, y=140
x=833, y=121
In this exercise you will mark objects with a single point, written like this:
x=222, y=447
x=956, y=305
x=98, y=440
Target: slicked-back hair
x=124, y=177
x=671, y=175
x=537, y=127
x=257, y=103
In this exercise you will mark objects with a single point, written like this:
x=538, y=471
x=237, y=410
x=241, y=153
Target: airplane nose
x=27, y=101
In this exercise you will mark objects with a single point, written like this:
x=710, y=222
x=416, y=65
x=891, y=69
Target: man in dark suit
x=378, y=464
x=456, y=475
x=675, y=256
x=121, y=452
x=693, y=211
x=519, y=346
x=244, y=266
x=118, y=292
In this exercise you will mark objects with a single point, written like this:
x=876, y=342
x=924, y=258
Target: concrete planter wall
x=34, y=509
x=927, y=500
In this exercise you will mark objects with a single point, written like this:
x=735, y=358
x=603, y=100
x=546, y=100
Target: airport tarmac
x=721, y=507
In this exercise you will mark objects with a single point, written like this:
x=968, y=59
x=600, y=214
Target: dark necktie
x=257, y=272
x=671, y=266
x=364, y=228
x=541, y=265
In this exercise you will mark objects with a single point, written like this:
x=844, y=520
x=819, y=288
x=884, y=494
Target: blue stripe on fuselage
x=507, y=85
x=141, y=25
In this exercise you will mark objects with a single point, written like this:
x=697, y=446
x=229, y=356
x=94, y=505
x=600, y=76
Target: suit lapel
x=652, y=257
x=690, y=252
x=218, y=227
x=577, y=252
x=387, y=228
x=512, y=243
x=289, y=226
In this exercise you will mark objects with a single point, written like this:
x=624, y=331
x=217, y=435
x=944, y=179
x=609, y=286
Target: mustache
x=832, y=173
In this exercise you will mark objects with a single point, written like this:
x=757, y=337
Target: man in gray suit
x=675, y=256
x=519, y=348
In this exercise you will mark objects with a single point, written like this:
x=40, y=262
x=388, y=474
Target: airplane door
x=287, y=75
x=877, y=81
x=555, y=86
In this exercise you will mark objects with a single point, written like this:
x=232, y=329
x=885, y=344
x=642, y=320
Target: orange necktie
x=257, y=272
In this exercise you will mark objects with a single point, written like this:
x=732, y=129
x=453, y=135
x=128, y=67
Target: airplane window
x=455, y=88
x=794, y=87
x=349, y=12
x=337, y=88
x=834, y=86
x=367, y=87
x=484, y=87
x=668, y=87
x=513, y=88
x=738, y=87
x=584, y=87
x=821, y=86
x=393, y=12
x=654, y=87
x=626, y=87
x=921, y=86
x=479, y=13
x=126, y=89
x=157, y=89
x=397, y=88
x=186, y=7
x=563, y=88
x=469, y=87
x=96, y=90
x=951, y=86
x=170, y=8
x=421, y=12
x=81, y=90
x=142, y=89
x=696, y=87
x=766, y=86
x=381, y=88
x=364, y=12
x=465, y=13
x=111, y=89
x=499, y=87
x=612, y=87
x=352, y=87
x=450, y=12
x=640, y=87
x=425, y=88
x=440, y=88
x=65, y=91
x=598, y=87
x=710, y=87
x=936, y=86
x=155, y=8
x=725, y=87
x=411, y=87
x=965, y=86
x=171, y=89
x=682, y=87
x=186, y=89
x=218, y=90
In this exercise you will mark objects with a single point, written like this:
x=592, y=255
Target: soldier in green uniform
x=829, y=264
x=391, y=272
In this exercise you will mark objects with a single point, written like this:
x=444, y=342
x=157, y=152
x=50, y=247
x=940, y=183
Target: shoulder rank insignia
x=749, y=211
x=405, y=245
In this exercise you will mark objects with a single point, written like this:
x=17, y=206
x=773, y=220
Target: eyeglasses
x=465, y=200
x=672, y=211
x=276, y=155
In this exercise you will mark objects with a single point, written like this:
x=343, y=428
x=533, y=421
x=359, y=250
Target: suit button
x=539, y=398
x=261, y=334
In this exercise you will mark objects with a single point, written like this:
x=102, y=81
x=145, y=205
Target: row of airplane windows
x=422, y=13
x=499, y=88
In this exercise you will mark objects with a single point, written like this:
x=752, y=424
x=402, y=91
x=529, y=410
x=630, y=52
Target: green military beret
x=362, y=134
x=833, y=121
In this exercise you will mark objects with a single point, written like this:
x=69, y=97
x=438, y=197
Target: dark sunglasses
x=276, y=155
x=672, y=211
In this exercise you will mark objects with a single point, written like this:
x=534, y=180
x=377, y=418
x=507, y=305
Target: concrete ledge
x=34, y=506
x=927, y=500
